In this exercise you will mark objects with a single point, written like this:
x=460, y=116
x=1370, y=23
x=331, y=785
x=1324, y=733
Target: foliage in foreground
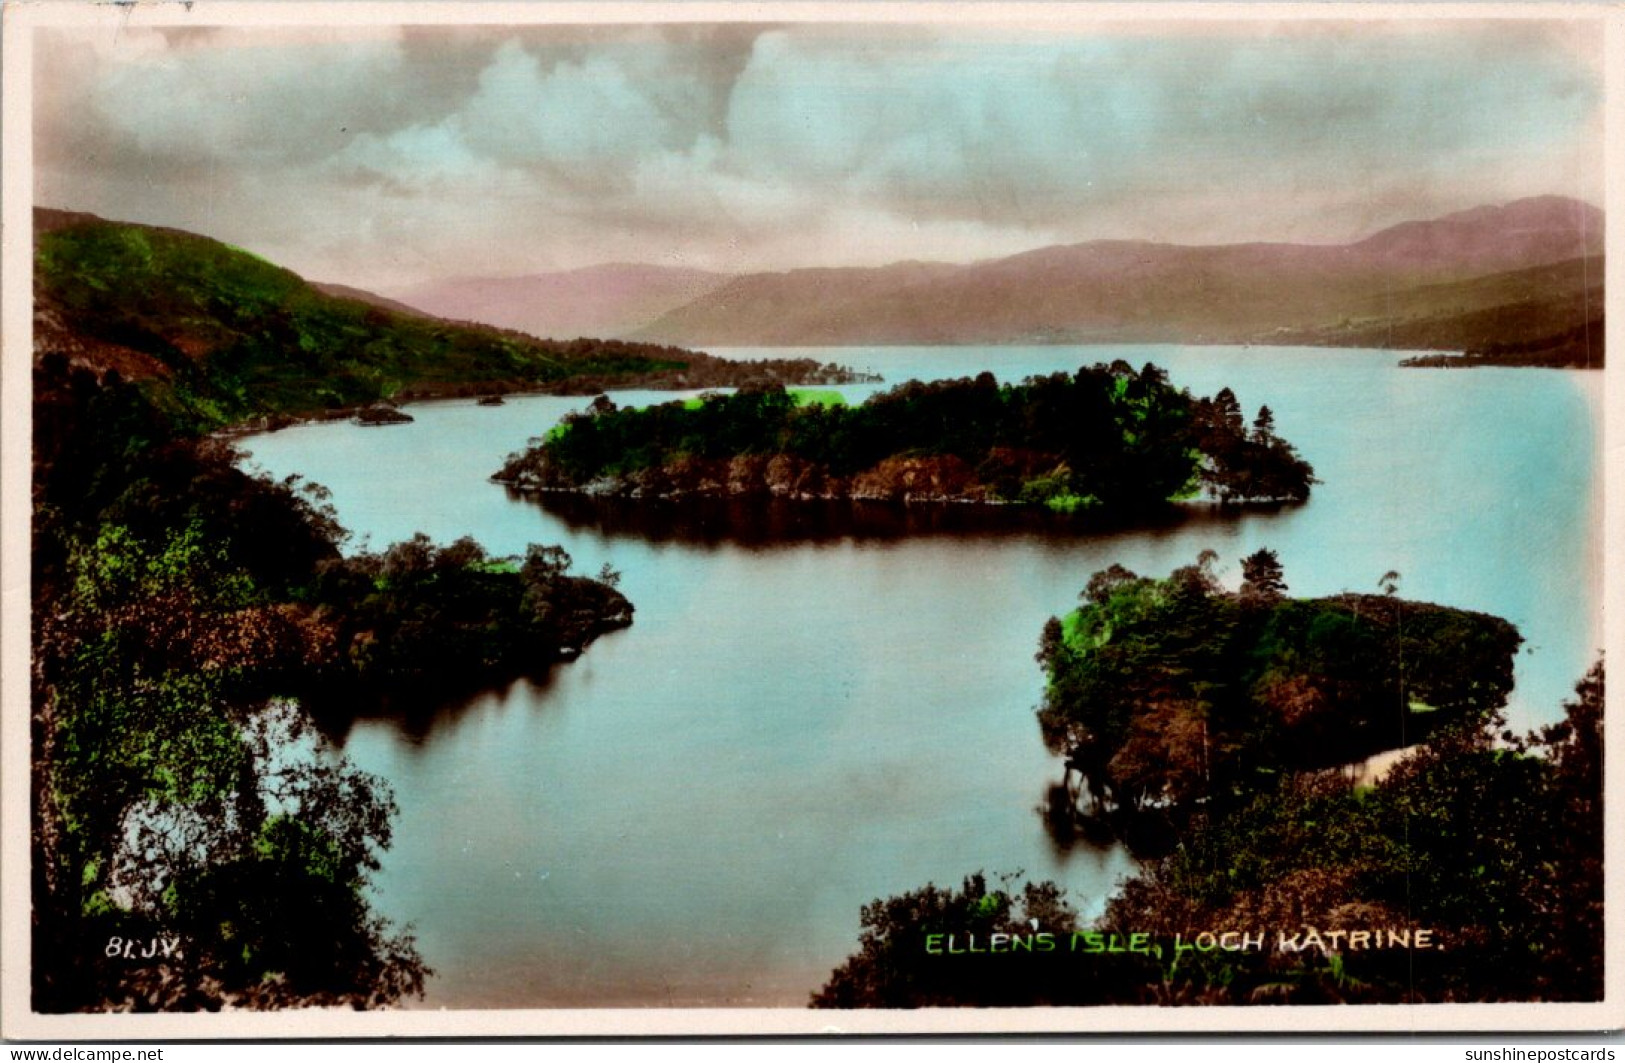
x=197, y=844
x=1494, y=849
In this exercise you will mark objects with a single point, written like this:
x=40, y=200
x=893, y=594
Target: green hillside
x=217, y=335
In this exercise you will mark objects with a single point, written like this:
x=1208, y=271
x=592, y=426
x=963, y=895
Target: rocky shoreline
x=783, y=476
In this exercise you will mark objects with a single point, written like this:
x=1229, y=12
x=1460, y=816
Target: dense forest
x=187, y=616
x=1469, y=871
x=1168, y=696
x=1578, y=347
x=1108, y=437
x=197, y=843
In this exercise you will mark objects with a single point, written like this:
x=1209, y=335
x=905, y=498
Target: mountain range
x=1480, y=276
x=608, y=300
x=1493, y=275
x=1520, y=283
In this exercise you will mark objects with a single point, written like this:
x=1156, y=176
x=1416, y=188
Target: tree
x=174, y=799
x=270, y=904
x=1262, y=578
x=1103, y=584
x=1575, y=925
x=1264, y=425
x=1227, y=411
x=171, y=802
x=1165, y=757
x=906, y=960
x=1050, y=642
x=1173, y=694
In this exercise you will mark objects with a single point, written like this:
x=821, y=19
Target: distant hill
x=1492, y=239
x=218, y=336
x=611, y=300
x=1425, y=280
x=1577, y=347
x=361, y=295
x=820, y=307
x=1520, y=308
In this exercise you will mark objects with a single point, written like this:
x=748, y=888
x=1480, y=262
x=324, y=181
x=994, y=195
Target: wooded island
x=1215, y=731
x=1107, y=438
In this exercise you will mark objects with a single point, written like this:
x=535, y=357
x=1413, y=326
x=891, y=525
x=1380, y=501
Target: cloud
x=381, y=154
x=598, y=113
x=238, y=102
x=1016, y=130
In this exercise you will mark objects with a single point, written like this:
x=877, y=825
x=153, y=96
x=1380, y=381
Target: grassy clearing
x=817, y=397
x=802, y=397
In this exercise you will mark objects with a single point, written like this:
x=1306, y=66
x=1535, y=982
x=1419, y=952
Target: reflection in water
x=421, y=714
x=1068, y=827
x=1147, y=833
x=782, y=523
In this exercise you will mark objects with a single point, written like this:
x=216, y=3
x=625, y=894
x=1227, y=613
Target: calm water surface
x=811, y=712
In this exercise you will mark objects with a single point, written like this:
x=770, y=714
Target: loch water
x=817, y=708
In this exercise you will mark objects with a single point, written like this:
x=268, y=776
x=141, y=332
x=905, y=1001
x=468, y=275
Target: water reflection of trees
x=769, y=523
x=429, y=713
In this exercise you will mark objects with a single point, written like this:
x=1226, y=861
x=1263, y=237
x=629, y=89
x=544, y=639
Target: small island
x=380, y=413
x=1220, y=724
x=1107, y=439
x=1173, y=696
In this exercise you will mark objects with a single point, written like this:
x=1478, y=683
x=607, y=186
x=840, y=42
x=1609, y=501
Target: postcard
x=567, y=519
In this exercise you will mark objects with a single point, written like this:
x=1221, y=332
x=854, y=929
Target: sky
x=384, y=156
